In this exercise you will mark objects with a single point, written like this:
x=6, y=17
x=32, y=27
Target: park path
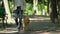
x=40, y=25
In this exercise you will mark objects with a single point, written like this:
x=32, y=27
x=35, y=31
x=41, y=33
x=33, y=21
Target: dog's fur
x=26, y=22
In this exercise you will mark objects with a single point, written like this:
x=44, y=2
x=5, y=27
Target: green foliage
x=40, y=1
x=29, y=6
x=29, y=1
x=10, y=0
x=10, y=6
x=2, y=10
x=29, y=9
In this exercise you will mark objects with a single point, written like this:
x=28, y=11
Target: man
x=18, y=15
x=22, y=4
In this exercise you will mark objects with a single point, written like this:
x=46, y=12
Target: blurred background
x=38, y=11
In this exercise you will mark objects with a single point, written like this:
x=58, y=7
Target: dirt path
x=43, y=26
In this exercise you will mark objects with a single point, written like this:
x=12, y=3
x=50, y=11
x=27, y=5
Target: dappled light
x=30, y=17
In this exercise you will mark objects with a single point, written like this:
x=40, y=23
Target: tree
x=35, y=5
x=48, y=6
x=14, y=3
x=54, y=14
x=7, y=10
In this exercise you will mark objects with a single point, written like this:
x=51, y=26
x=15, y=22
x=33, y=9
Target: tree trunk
x=43, y=8
x=7, y=10
x=15, y=4
x=48, y=7
x=54, y=14
x=35, y=4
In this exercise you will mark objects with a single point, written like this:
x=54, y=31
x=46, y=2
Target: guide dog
x=26, y=22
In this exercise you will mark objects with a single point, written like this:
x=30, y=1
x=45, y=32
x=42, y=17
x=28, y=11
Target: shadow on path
x=37, y=27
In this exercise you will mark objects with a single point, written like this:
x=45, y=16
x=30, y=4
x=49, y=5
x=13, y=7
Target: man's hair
x=19, y=7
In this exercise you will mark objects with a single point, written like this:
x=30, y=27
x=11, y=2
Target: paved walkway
x=30, y=32
x=36, y=27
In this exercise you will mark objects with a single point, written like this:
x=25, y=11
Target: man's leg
x=16, y=21
x=20, y=18
x=20, y=23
